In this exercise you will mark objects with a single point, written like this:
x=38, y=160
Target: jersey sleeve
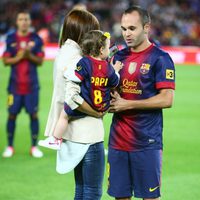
x=165, y=73
x=81, y=70
x=8, y=49
x=38, y=50
x=113, y=77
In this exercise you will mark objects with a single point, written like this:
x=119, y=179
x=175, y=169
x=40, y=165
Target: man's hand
x=27, y=53
x=117, y=104
x=163, y=99
x=31, y=57
x=21, y=54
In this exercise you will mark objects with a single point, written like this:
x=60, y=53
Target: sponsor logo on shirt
x=144, y=69
x=170, y=74
x=130, y=87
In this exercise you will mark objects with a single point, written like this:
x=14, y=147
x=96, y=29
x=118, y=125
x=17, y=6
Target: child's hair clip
x=107, y=34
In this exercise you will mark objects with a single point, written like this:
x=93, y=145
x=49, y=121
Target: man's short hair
x=144, y=15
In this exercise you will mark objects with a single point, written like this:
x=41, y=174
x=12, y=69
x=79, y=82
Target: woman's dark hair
x=92, y=42
x=144, y=15
x=76, y=24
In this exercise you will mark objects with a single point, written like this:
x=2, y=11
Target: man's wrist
x=130, y=104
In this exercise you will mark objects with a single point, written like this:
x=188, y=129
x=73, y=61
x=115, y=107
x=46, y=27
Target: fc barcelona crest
x=132, y=67
x=23, y=44
x=144, y=69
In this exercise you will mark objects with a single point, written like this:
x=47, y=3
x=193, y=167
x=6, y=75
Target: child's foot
x=51, y=143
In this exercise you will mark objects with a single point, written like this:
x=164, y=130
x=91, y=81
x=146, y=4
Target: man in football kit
x=24, y=52
x=147, y=83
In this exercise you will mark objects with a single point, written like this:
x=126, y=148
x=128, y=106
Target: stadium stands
x=175, y=22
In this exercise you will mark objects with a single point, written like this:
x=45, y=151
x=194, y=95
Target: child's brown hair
x=92, y=42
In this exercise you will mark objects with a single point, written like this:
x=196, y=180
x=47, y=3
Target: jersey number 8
x=97, y=97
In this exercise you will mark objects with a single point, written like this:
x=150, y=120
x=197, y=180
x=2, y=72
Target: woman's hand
x=99, y=114
x=86, y=108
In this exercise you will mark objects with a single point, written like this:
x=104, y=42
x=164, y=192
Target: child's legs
x=61, y=125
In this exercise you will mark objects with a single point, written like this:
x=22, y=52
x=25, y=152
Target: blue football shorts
x=135, y=174
x=29, y=101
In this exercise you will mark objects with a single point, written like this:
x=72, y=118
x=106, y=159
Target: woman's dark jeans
x=89, y=174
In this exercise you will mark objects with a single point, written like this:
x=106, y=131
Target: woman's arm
x=75, y=101
x=86, y=108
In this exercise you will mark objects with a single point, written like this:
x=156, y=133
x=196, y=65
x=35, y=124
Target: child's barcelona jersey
x=97, y=78
x=23, y=78
x=143, y=75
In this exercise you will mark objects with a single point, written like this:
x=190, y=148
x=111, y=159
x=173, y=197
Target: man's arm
x=23, y=54
x=15, y=59
x=162, y=100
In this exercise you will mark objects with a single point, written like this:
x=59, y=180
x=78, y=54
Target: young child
x=96, y=77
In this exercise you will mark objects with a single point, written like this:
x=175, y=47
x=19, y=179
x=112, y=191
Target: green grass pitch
x=25, y=178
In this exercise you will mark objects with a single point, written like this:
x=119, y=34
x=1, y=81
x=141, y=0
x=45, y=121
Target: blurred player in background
x=147, y=83
x=24, y=52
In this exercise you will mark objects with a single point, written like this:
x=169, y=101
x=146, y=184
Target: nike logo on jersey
x=153, y=189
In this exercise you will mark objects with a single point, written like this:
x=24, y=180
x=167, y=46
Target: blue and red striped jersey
x=23, y=77
x=97, y=78
x=143, y=75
